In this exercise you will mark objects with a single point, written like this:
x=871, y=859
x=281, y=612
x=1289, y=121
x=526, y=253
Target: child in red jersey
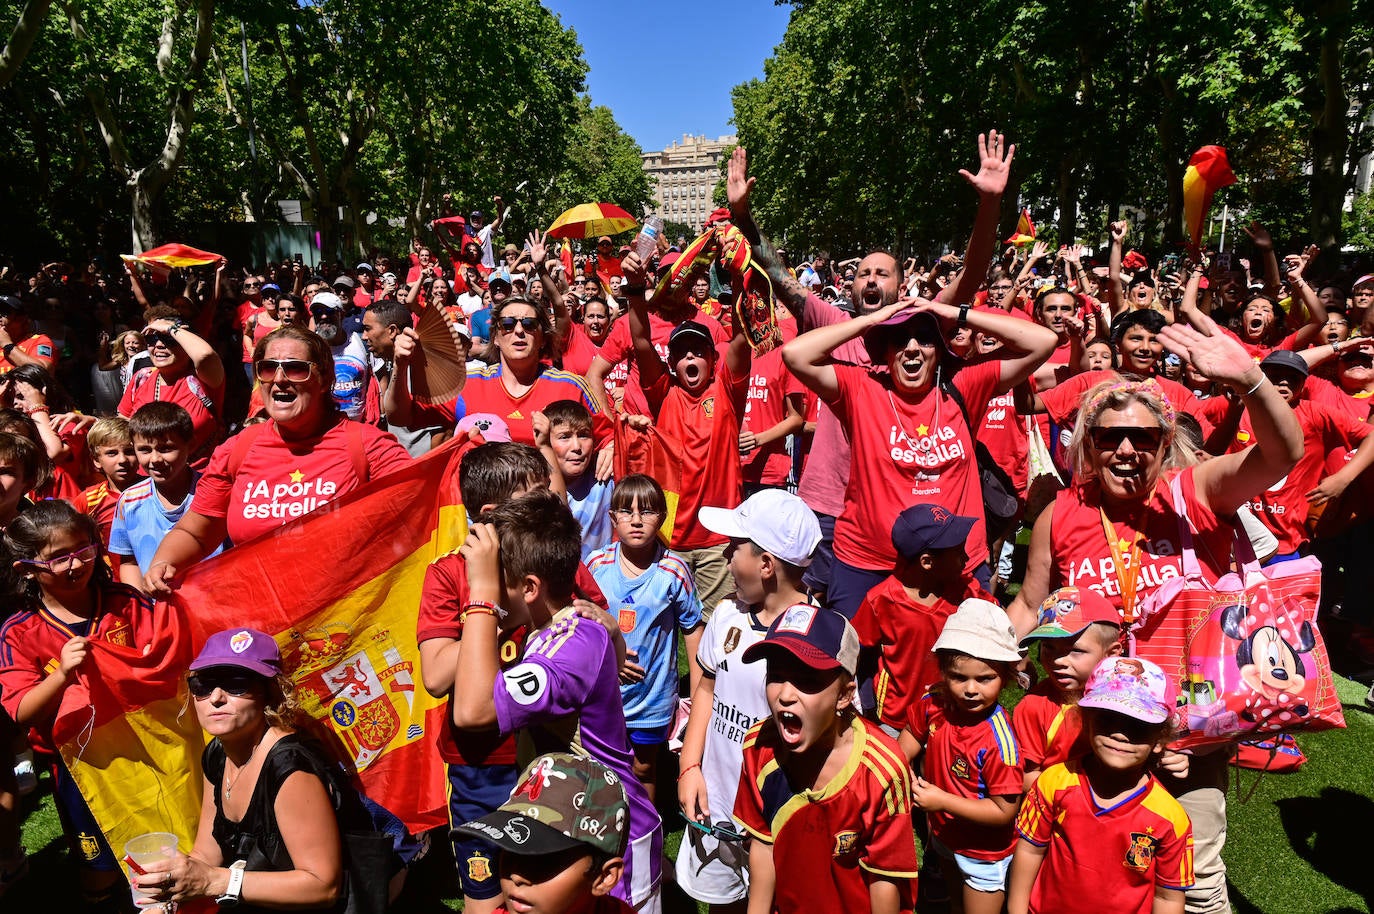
x=1077, y=630
x=1100, y=831
x=698, y=400
x=67, y=601
x=112, y=453
x=900, y=619
x=824, y=794
x=971, y=786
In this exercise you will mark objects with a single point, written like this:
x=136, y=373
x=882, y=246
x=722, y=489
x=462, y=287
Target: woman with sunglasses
x=305, y=455
x=269, y=836
x=1116, y=529
x=520, y=383
x=186, y=371
x=63, y=600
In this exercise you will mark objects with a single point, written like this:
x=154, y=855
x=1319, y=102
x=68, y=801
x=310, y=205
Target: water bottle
x=646, y=242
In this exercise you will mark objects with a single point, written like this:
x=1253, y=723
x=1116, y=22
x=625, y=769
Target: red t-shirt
x=61, y=485
x=1122, y=853
x=1062, y=402
x=904, y=632
x=1004, y=434
x=1081, y=557
x=974, y=760
x=770, y=384
x=1258, y=351
x=38, y=346
x=826, y=474
x=905, y=452
x=1283, y=506
x=31, y=644
x=202, y=402
x=443, y=598
x=577, y=357
x=825, y=841
x=1047, y=730
x=485, y=392
x=278, y=481
x=705, y=427
x=619, y=347
x=244, y=311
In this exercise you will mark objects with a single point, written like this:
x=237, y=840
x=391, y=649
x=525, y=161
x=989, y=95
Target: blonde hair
x=109, y=433
x=117, y=353
x=1117, y=395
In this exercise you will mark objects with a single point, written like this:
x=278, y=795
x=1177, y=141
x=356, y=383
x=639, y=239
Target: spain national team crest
x=479, y=867
x=845, y=842
x=89, y=846
x=1141, y=852
x=708, y=406
x=960, y=768
x=361, y=686
x=626, y=618
x=120, y=634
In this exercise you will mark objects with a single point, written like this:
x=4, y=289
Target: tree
x=26, y=30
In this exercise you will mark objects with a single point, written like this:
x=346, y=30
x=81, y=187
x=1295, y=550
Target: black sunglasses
x=323, y=313
x=236, y=684
x=1109, y=438
x=530, y=324
x=722, y=831
x=297, y=370
x=153, y=337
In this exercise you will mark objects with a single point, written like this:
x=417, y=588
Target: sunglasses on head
x=530, y=324
x=237, y=684
x=1109, y=438
x=297, y=370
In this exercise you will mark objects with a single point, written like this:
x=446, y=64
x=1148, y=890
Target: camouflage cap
x=562, y=801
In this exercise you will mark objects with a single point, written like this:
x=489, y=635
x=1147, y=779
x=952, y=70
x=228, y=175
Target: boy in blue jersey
x=562, y=689
x=162, y=433
x=651, y=593
x=572, y=437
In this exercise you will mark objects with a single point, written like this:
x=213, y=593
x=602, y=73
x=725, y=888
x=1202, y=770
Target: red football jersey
x=202, y=402
x=706, y=427
x=1048, y=731
x=974, y=760
x=827, y=842
x=1121, y=853
x=905, y=452
x=485, y=392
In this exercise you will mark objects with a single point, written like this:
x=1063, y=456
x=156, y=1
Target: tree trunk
x=1068, y=200
x=142, y=221
x=21, y=39
x=1330, y=140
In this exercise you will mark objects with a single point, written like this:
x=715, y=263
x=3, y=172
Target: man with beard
x=877, y=283
x=352, y=373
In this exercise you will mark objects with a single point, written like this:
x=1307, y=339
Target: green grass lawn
x=1296, y=846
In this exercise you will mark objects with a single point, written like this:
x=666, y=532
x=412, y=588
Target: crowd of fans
x=941, y=467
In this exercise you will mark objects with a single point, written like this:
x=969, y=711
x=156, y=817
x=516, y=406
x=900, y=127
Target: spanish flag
x=1025, y=230
x=1208, y=171
x=340, y=588
x=173, y=256
x=565, y=257
x=646, y=451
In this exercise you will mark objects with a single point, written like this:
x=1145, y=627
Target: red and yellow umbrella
x=591, y=220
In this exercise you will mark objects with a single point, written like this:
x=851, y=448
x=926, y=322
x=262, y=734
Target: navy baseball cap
x=1285, y=358
x=820, y=638
x=686, y=330
x=925, y=527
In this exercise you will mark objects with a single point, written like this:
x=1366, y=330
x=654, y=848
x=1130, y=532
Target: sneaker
x=1369, y=697
x=25, y=774
x=13, y=869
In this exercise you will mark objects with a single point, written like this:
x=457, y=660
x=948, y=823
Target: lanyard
x=1127, y=567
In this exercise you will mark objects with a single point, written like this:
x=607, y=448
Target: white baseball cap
x=980, y=629
x=774, y=520
x=327, y=300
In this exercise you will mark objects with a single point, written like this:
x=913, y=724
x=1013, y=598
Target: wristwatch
x=963, y=314
x=233, y=893
x=7, y=349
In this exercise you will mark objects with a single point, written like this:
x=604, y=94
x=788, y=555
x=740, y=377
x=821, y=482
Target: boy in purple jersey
x=565, y=687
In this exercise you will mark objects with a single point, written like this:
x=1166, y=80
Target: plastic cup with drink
x=143, y=850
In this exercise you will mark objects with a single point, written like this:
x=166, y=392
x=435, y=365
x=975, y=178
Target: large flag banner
x=340, y=590
x=172, y=256
x=1208, y=172
x=644, y=450
x=129, y=736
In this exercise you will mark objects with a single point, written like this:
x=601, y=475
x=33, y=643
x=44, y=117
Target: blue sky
x=667, y=69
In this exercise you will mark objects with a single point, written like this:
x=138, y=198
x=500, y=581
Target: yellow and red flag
x=127, y=733
x=173, y=256
x=565, y=257
x=1208, y=171
x=644, y=450
x=340, y=590
x=1025, y=230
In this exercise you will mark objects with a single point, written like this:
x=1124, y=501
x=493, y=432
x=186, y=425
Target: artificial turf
x=1296, y=846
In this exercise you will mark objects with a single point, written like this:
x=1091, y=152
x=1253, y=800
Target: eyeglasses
x=643, y=514
x=1003, y=289
x=153, y=337
x=202, y=685
x=61, y=564
x=723, y=831
x=530, y=324
x=297, y=370
x=1109, y=438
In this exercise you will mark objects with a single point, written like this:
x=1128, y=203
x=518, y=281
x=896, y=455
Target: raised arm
x=396, y=400
x=1264, y=246
x=738, y=187
x=808, y=355
x=1310, y=332
x=651, y=366
x=1225, y=483
x=1025, y=344
x=994, y=165
x=1116, y=291
x=204, y=360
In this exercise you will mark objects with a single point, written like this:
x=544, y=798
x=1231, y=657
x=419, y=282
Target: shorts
x=711, y=573
x=979, y=875
x=473, y=792
x=650, y=736
x=84, y=837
